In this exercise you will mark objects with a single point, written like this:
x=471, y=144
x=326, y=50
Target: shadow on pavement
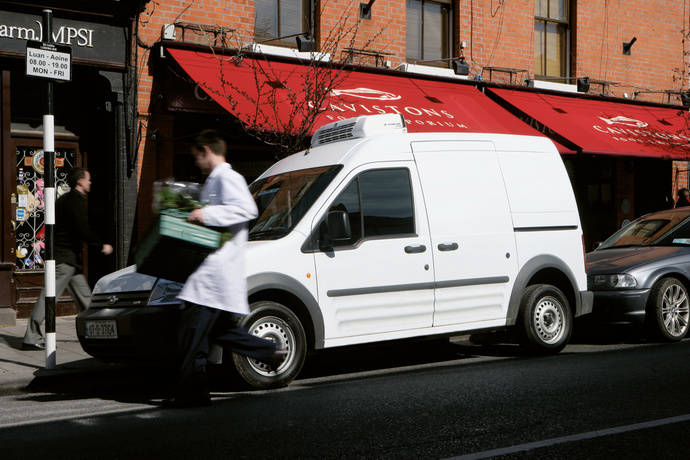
x=592, y=332
x=144, y=383
x=90, y=378
x=12, y=340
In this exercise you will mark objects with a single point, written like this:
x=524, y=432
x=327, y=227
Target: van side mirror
x=339, y=230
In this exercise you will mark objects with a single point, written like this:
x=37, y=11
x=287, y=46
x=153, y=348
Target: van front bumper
x=144, y=334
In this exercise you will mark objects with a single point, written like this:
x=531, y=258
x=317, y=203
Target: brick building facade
x=497, y=39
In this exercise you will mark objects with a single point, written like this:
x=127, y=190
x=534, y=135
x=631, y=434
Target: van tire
x=273, y=321
x=546, y=320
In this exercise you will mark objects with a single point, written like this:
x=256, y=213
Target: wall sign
x=90, y=41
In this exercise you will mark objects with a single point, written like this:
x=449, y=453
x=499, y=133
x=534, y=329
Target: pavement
x=20, y=368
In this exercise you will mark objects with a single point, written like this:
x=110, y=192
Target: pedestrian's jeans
x=66, y=277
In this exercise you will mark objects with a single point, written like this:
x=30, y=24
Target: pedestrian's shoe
x=192, y=391
x=33, y=346
x=277, y=359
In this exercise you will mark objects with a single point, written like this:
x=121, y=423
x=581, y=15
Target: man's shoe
x=277, y=359
x=33, y=346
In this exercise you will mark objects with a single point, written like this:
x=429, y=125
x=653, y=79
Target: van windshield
x=283, y=200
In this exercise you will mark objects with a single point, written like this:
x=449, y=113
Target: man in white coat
x=219, y=284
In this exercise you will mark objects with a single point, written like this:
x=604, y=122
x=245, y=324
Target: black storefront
x=93, y=120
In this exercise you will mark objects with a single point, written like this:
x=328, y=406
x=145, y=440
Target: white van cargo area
x=376, y=234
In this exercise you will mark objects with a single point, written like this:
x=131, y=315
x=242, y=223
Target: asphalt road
x=598, y=399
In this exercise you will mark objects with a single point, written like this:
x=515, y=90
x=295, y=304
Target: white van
x=376, y=234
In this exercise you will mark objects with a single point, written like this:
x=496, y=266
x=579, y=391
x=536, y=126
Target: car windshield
x=283, y=200
x=665, y=228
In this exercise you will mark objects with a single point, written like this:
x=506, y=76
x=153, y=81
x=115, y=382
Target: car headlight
x=165, y=292
x=617, y=281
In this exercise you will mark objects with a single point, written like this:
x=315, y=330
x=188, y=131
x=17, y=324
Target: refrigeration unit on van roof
x=359, y=127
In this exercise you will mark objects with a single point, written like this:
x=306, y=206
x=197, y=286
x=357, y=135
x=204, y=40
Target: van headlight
x=617, y=281
x=165, y=292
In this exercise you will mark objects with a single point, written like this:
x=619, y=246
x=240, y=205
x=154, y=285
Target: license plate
x=102, y=329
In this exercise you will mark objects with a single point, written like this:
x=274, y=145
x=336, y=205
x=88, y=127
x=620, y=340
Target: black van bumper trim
x=545, y=228
x=417, y=286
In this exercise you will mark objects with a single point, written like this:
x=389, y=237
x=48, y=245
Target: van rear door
x=471, y=231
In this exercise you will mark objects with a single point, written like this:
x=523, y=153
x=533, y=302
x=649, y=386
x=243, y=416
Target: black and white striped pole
x=49, y=158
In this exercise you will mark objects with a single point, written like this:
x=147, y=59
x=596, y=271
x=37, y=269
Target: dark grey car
x=641, y=274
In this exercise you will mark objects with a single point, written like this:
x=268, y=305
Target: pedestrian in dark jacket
x=683, y=198
x=71, y=230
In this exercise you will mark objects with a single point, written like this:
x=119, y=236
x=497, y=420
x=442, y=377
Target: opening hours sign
x=47, y=60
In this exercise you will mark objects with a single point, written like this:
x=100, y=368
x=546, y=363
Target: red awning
x=274, y=95
x=605, y=127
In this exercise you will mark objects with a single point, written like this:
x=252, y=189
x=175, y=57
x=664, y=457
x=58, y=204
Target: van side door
x=471, y=231
x=380, y=280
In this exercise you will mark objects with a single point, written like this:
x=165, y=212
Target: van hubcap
x=675, y=310
x=549, y=320
x=274, y=329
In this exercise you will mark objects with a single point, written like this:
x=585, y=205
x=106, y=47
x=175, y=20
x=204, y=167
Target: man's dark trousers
x=196, y=324
x=66, y=277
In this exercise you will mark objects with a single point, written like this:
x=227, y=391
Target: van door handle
x=415, y=249
x=447, y=246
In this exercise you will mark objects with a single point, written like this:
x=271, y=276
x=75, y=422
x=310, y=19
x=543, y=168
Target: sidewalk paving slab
x=19, y=368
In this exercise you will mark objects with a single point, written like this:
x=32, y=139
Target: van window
x=386, y=202
x=283, y=199
x=379, y=203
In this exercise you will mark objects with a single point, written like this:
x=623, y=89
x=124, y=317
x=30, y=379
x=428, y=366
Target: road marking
x=573, y=438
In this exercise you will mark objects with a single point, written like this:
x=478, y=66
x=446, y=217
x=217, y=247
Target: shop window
x=28, y=204
x=551, y=38
x=428, y=31
x=280, y=18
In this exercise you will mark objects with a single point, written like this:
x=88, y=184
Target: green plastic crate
x=174, y=224
x=173, y=248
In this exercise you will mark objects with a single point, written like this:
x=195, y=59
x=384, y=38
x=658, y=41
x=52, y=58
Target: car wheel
x=669, y=309
x=273, y=321
x=545, y=319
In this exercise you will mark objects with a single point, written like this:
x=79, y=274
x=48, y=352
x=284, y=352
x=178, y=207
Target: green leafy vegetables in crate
x=179, y=199
x=171, y=198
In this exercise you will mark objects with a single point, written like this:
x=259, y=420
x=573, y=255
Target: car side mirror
x=339, y=230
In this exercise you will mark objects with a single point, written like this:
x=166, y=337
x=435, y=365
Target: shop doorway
x=85, y=126
x=612, y=190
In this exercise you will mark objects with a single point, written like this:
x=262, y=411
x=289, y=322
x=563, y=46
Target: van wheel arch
x=542, y=270
x=294, y=304
x=556, y=278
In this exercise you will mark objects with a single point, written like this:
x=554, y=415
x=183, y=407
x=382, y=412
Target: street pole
x=49, y=158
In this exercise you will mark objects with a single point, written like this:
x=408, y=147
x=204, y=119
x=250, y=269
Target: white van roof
x=376, y=141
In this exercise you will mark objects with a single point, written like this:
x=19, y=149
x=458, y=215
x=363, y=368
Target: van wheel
x=545, y=319
x=273, y=321
x=669, y=309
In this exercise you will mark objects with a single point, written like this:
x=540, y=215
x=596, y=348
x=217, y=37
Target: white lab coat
x=220, y=281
